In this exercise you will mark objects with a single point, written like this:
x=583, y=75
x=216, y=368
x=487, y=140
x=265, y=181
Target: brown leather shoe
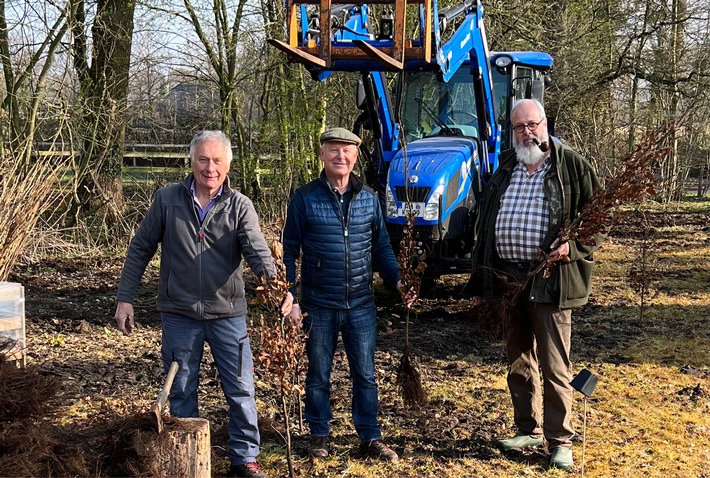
x=318, y=447
x=377, y=449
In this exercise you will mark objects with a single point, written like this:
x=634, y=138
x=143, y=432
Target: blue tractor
x=437, y=134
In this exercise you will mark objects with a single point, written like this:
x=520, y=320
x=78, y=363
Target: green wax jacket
x=568, y=186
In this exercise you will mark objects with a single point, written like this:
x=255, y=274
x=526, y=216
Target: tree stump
x=186, y=451
x=181, y=450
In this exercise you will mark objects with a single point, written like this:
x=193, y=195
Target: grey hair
x=211, y=135
x=528, y=100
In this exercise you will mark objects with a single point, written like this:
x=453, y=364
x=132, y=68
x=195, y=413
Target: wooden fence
x=150, y=156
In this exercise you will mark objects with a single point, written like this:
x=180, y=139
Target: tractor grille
x=416, y=194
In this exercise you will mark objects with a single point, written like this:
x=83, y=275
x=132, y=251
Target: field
x=645, y=334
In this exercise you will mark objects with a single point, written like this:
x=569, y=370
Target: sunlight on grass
x=648, y=417
x=644, y=421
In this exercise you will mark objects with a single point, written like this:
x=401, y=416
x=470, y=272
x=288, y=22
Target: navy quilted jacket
x=338, y=249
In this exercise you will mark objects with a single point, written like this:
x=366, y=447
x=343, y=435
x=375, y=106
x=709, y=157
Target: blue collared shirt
x=202, y=213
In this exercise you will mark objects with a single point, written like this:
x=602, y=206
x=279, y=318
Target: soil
x=71, y=336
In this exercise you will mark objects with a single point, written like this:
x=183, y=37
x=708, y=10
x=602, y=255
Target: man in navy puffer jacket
x=335, y=226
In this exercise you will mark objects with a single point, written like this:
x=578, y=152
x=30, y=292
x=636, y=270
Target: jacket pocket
x=240, y=356
x=579, y=279
x=168, y=284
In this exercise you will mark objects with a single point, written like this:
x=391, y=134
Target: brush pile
x=31, y=444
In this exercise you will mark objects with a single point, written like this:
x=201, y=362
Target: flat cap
x=341, y=135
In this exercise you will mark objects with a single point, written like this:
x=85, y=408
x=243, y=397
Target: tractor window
x=500, y=96
x=523, y=82
x=527, y=83
x=431, y=107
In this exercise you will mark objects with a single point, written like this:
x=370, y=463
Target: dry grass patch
x=646, y=420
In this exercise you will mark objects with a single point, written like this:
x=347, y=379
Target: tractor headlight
x=390, y=203
x=431, y=210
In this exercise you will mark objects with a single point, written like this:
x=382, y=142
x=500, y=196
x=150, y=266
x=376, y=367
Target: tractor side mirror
x=360, y=97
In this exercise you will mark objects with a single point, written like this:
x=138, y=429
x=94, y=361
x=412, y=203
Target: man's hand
x=295, y=317
x=409, y=296
x=559, y=252
x=287, y=304
x=124, y=317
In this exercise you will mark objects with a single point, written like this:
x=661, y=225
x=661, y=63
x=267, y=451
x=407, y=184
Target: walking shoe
x=519, y=442
x=251, y=469
x=377, y=449
x=318, y=447
x=562, y=458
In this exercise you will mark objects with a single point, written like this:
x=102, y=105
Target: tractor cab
x=431, y=107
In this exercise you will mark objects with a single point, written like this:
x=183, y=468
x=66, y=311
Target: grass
x=649, y=415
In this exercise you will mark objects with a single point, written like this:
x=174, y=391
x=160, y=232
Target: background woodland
x=88, y=77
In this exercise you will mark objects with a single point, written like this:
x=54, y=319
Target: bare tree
x=103, y=80
x=30, y=37
x=25, y=72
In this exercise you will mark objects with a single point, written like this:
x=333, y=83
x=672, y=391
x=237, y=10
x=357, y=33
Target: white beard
x=529, y=155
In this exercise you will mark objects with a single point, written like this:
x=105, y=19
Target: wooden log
x=186, y=450
x=181, y=450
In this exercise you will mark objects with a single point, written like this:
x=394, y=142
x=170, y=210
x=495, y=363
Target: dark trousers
x=540, y=339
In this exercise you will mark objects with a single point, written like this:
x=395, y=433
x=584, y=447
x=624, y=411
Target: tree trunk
x=187, y=450
x=104, y=89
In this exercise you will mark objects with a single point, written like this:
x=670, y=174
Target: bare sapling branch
x=633, y=184
x=412, y=266
x=282, y=344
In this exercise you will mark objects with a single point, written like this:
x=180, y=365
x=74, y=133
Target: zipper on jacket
x=200, y=253
x=345, y=220
x=200, y=250
x=346, y=235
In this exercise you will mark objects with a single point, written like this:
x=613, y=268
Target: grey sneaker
x=562, y=458
x=318, y=447
x=519, y=442
x=377, y=449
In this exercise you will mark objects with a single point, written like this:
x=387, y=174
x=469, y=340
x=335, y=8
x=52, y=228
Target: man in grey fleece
x=204, y=228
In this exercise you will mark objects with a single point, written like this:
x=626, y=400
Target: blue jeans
x=359, y=331
x=183, y=341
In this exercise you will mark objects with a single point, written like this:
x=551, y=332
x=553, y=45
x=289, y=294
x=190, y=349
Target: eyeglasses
x=532, y=126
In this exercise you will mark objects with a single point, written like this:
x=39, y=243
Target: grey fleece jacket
x=200, y=264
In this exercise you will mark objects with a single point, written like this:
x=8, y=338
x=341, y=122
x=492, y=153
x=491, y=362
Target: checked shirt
x=524, y=215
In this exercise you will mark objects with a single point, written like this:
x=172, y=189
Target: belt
x=521, y=266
